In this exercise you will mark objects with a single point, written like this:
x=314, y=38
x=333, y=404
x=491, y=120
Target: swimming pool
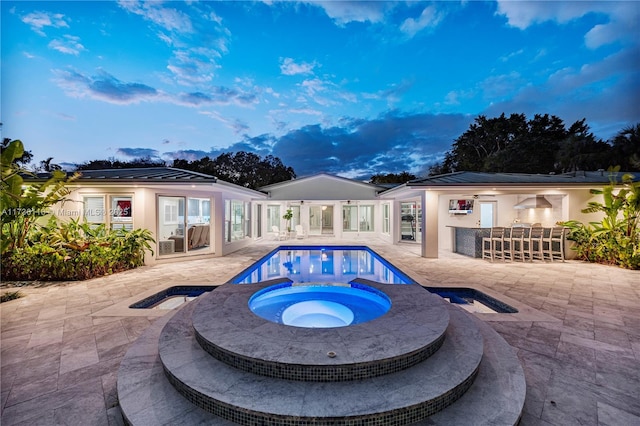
x=322, y=264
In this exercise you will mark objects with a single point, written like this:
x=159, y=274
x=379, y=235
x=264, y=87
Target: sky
x=352, y=88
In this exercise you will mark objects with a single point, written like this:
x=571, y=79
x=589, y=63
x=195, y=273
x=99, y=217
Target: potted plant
x=288, y=216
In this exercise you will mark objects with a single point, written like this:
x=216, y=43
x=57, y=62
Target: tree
x=398, y=178
x=580, y=150
x=540, y=145
x=626, y=148
x=112, y=163
x=241, y=168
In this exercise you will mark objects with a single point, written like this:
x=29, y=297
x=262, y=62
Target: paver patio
x=578, y=334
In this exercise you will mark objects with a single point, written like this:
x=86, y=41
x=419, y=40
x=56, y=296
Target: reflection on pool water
x=322, y=264
x=319, y=305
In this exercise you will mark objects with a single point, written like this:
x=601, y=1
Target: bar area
x=468, y=241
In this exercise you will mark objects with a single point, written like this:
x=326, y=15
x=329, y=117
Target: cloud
x=104, y=87
x=380, y=145
x=289, y=67
x=199, y=39
x=167, y=18
x=237, y=125
x=217, y=95
x=622, y=25
x=343, y=12
x=138, y=152
x=573, y=94
x=358, y=148
x=429, y=18
x=69, y=45
x=393, y=93
x=40, y=20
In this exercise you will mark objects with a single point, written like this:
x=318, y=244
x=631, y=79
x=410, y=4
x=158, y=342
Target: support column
x=429, y=202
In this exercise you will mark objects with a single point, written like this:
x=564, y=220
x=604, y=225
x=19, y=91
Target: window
x=121, y=213
x=258, y=220
x=234, y=218
x=357, y=218
x=273, y=217
x=350, y=218
x=94, y=211
x=118, y=216
x=366, y=218
x=386, y=222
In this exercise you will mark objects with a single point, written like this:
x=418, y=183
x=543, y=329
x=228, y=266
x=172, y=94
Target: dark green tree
x=241, y=168
x=112, y=163
x=626, y=149
x=399, y=178
x=580, y=150
x=505, y=144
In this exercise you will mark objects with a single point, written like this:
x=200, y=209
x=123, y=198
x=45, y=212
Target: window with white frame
x=234, y=217
x=94, y=211
x=350, y=218
x=366, y=218
x=386, y=220
x=357, y=218
x=121, y=213
x=273, y=217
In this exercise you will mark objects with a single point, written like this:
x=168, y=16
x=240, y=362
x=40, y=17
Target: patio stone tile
x=78, y=352
x=612, y=416
x=33, y=389
x=46, y=336
x=577, y=407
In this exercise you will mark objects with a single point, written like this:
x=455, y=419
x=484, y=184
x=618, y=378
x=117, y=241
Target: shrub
x=615, y=240
x=75, y=251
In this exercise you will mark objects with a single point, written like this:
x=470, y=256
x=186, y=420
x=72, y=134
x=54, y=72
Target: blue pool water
x=318, y=305
x=335, y=264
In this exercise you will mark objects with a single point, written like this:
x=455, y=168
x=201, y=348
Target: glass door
x=315, y=220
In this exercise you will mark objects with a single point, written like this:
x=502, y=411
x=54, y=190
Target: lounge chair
x=300, y=232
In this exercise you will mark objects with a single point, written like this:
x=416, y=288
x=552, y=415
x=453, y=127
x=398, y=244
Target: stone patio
x=577, y=333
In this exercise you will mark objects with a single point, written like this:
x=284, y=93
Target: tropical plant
x=288, y=216
x=22, y=205
x=75, y=251
x=616, y=238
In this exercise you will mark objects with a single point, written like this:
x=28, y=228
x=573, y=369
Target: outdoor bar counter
x=468, y=241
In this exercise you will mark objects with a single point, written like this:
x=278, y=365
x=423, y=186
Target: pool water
x=337, y=264
x=319, y=305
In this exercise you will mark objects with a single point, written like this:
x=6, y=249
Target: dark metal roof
x=515, y=179
x=150, y=174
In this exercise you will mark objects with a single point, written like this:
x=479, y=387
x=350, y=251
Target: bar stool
x=533, y=245
x=553, y=240
x=491, y=243
x=514, y=244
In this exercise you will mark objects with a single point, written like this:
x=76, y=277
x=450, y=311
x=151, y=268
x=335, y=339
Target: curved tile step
x=411, y=331
x=497, y=395
x=403, y=397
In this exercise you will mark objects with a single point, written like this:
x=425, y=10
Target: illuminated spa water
x=319, y=305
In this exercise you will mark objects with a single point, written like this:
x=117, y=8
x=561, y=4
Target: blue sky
x=352, y=88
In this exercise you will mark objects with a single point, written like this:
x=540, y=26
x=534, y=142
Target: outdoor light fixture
x=537, y=202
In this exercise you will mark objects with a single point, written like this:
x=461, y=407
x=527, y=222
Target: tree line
x=540, y=145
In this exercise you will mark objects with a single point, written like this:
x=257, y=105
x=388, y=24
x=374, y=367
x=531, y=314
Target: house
x=471, y=200
x=188, y=213
x=193, y=214
x=325, y=205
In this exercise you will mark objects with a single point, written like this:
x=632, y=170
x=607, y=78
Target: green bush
x=75, y=251
x=615, y=240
